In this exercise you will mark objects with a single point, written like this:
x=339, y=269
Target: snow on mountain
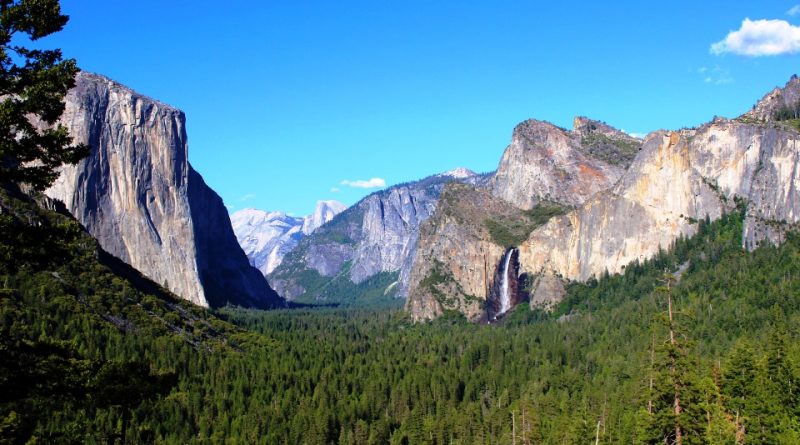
x=266, y=237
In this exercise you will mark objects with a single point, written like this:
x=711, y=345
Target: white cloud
x=362, y=184
x=794, y=10
x=760, y=38
x=247, y=197
x=335, y=189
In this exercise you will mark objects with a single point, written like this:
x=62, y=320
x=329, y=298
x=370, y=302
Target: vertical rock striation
x=137, y=194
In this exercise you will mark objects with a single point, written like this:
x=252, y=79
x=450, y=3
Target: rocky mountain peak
x=323, y=212
x=548, y=163
x=778, y=104
x=585, y=126
x=266, y=237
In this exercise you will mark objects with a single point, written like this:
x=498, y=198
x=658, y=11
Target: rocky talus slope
x=137, y=194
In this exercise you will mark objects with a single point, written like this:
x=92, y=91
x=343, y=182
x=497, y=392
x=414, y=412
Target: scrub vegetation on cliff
x=512, y=231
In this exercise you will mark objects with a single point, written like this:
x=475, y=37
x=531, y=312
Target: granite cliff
x=547, y=163
x=138, y=196
x=545, y=171
x=368, y=248
x=676, y=179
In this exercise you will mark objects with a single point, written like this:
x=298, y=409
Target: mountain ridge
x=675, y=179
x=266, y=237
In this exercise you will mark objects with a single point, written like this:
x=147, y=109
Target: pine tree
x=33, y=84
x=674, y=415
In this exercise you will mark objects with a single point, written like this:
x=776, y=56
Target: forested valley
x=94, y=353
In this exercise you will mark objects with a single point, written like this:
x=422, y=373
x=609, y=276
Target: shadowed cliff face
x=494, y=304
x=137, y=194
x=225, y=273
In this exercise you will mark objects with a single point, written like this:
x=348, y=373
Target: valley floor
x=600, y=367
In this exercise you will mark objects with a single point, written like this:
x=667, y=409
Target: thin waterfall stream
x=505, y=294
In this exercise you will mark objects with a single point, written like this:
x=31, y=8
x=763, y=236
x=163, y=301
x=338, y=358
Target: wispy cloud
x=247, y=197
x=365, y=184
x=335, y=189
x=757, y=38
x=715, y=75
x=794, y=10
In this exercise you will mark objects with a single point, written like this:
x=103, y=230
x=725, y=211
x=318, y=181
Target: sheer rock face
x=543, y=164
x=679, y=177
x=137, y=194
x=675, y=180
x=456, y=258
x=377, y=234
x=547, y=163
x=390, y=229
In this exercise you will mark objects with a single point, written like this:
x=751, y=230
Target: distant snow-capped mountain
x=266, y=237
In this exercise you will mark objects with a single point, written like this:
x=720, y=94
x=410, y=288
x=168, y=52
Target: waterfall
x=505, y=293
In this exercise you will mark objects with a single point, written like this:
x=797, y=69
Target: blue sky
x=285, y=100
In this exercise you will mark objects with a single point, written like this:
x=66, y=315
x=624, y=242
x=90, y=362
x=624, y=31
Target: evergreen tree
x=33, y=84
x=674, y=415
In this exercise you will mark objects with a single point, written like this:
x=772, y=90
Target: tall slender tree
x=674, y=415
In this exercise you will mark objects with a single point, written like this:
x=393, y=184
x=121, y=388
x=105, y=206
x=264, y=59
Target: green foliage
x=379, y=289
x=441, y=284
x=617, y=151
x=33, y=84
x=354, y=375
x=787, y=113
x=512, y=231
x=81, y=347
x=794, y=123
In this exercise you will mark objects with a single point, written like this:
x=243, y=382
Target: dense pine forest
x=94, y=353
x=698, y=345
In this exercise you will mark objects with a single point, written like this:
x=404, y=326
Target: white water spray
x=505, y=294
